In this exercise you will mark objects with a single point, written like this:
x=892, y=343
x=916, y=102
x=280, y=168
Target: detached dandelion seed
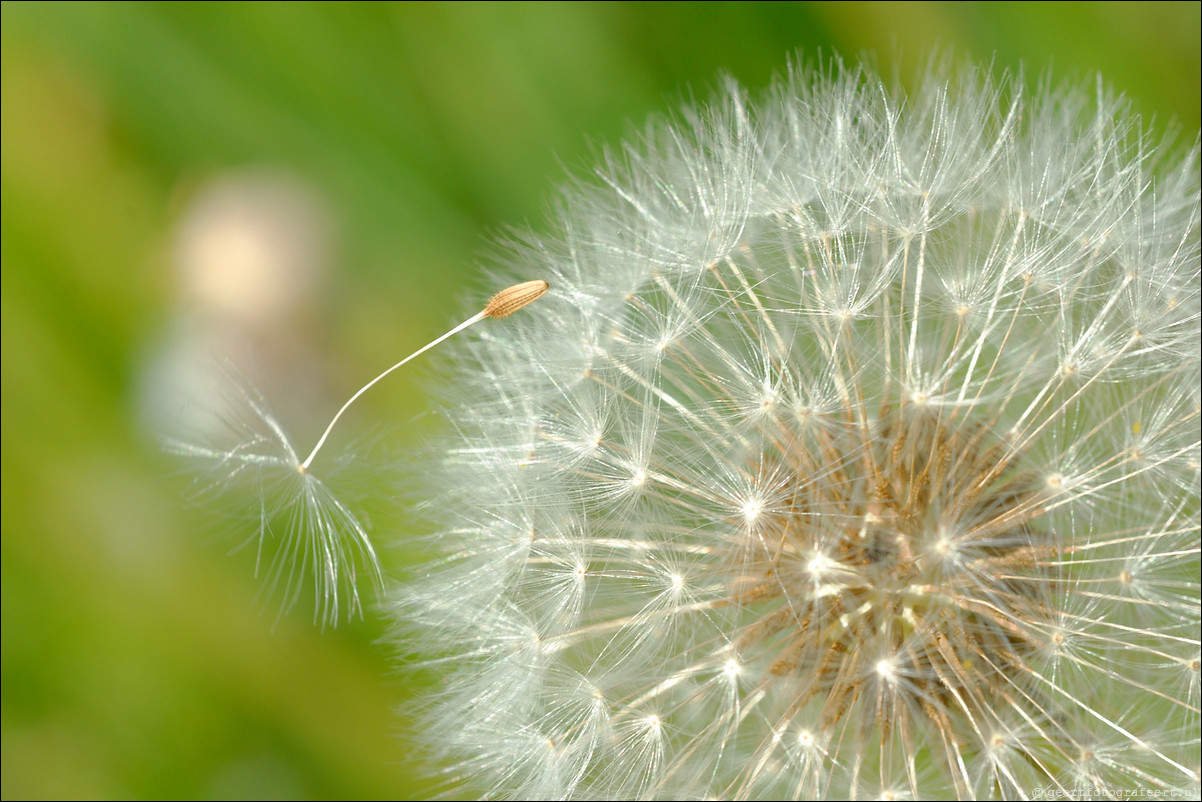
x=856, y=456
x=319, y=535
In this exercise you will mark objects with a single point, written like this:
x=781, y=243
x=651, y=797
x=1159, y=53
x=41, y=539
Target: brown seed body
x=511, y=299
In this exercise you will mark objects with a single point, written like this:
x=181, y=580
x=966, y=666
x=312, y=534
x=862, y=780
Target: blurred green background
x=152, y=151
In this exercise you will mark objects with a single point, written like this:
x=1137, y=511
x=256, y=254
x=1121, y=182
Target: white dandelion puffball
x=853, y=453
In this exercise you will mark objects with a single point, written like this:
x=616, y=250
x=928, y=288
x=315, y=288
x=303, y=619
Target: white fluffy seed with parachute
x=247, y=458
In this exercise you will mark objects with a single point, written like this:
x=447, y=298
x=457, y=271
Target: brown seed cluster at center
x=908, y=551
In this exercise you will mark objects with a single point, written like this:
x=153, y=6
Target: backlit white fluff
x=854, y=452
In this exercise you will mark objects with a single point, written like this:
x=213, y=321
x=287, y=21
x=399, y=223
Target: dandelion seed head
x=861, y=437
